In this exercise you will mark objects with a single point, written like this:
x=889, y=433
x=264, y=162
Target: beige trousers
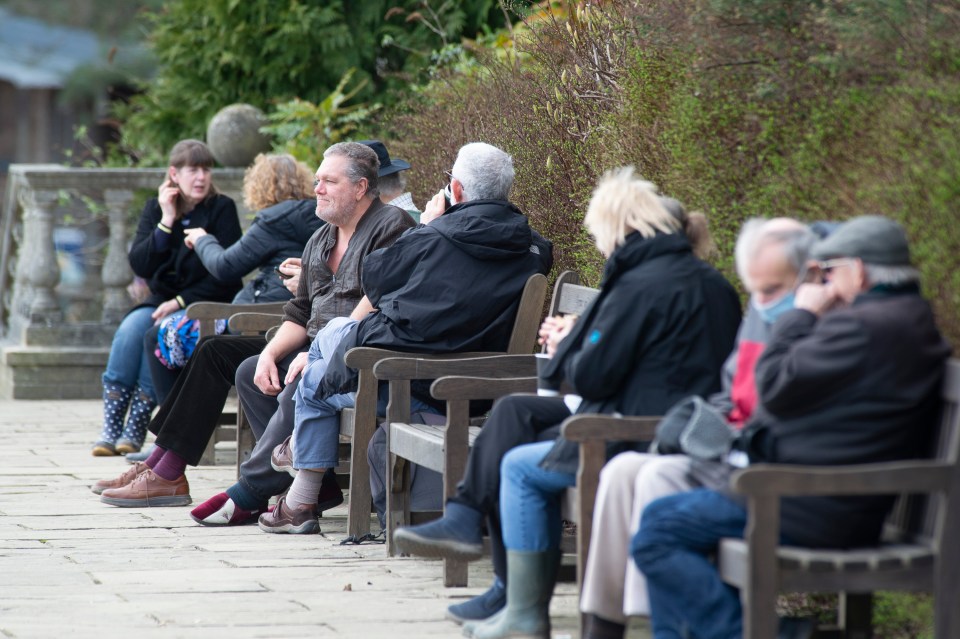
x=613, y=588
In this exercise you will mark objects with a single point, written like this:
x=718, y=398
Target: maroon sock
x=171, y=466
x=154, y=456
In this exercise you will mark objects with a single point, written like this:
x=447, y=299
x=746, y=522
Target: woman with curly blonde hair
x=281, y=189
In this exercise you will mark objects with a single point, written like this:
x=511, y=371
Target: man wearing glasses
x=850, y=376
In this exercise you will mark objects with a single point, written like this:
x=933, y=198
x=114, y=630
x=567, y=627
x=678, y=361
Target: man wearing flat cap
x=850, y=376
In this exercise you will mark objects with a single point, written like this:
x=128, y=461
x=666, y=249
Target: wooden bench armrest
x=491, y=366
x=459, y=387
x=592, y=427
x=221, y=310
x=787, y=480
x=592, y=432
x=253, y=322
x=367, y=356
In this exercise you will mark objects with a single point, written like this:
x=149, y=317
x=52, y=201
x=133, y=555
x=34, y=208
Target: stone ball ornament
x=234, y=136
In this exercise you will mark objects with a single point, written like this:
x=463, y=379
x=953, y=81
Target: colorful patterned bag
x=177, y=338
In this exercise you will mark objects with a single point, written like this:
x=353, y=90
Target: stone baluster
x=37, y=269
x=116, y=273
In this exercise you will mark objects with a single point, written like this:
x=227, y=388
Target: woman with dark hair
x=280, y=189
x=175, y=276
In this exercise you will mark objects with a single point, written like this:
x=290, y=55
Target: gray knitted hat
x=872, y=238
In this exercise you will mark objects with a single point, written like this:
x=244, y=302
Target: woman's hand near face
x=167, y=196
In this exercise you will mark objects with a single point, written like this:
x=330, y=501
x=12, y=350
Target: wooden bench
x=445, y=448
x=920, y=550
x=358, y=424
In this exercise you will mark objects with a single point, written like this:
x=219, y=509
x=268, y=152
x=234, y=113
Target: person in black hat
x=393, y=184
x=850, y=376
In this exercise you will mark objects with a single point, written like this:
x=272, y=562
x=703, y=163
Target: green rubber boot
x=531, y=577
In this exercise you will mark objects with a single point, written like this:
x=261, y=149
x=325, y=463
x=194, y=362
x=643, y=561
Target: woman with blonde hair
x=280, y=189
x=659, y=330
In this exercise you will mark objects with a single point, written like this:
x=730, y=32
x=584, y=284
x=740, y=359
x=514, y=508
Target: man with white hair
x=415, y=305
x=850, y=375
x=772, y=261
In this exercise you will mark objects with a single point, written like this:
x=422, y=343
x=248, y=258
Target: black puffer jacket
x=276, y=233
x=659, y=331
x=177, y=270
x=451, y=286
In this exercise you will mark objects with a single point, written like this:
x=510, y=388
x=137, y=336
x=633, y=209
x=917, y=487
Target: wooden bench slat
x=480, y=379
x=419, y=443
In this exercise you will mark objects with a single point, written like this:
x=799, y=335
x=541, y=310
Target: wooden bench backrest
x=569, y=297
x=527, y=322
x=920, y=517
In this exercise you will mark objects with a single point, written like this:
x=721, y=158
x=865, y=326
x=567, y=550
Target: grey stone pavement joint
x=72, y=566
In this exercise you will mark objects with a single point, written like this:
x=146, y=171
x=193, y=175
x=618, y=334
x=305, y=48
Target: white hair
x=622, y=203
x=795, y=237
x=484, y=171
x=891, y=275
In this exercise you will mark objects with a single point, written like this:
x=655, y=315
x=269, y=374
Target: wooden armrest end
x=889, y=478
x=592, y=427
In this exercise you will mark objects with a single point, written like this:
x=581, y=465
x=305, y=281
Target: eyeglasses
x=448, y=189
x=827, y=266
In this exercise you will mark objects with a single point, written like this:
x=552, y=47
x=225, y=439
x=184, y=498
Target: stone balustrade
x=61, y=300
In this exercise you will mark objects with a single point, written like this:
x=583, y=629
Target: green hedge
x=738, y=108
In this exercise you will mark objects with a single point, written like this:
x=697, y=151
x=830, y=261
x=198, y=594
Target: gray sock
x=305, y=487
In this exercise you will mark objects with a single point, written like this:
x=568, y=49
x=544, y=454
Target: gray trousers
x=271, y=419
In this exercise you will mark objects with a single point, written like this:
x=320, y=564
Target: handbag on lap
x=695, y=428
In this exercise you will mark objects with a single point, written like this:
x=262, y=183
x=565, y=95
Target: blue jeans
x=127, y=365
x=530, y=499
x=316, y=431
x=672, y=549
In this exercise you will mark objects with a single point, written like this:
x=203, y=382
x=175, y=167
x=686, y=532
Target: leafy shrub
x=740, y=108
x=304, y=129
x=212, y=53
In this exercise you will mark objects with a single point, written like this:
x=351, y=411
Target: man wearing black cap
x=850, y=376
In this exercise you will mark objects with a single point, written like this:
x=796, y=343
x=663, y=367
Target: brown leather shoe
x=147, y=489
x=298, y=521
x=128, y=476
x=282, y=457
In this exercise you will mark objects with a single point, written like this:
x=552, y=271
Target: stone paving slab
x=71, y=566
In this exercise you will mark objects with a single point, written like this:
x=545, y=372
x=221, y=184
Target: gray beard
x=336, y=218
